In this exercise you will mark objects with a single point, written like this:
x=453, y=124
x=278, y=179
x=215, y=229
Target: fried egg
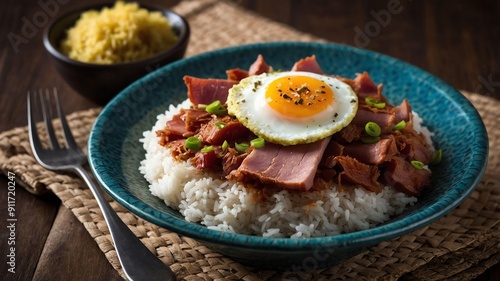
x=292, y=108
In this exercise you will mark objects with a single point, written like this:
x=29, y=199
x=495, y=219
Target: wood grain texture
x=67, y=245
x=454, y=40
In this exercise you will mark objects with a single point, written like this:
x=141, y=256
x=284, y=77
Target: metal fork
x=137, y=261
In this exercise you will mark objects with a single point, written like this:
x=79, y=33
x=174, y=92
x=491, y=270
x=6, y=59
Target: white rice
x=230, y=207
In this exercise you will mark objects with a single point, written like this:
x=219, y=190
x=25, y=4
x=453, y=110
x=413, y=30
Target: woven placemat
x=459, y=246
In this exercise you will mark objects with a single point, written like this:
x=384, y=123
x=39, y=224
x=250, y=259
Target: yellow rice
x=122, y=33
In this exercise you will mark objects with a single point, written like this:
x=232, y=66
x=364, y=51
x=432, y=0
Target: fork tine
x=68, y=136
x=33, y=133
x=47, y=118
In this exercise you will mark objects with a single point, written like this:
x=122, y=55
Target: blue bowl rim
x=367, y=237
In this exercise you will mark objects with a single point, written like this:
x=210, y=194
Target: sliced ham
x=236, y=74
x=383, y=119
x=372, y=153
x=174, y=129
x=308, y=64
x=364, y=86
x=259, y=66
x=291, y=167
x=205, y=160
x=206, y=91
x=403, y=112
x=177, y=125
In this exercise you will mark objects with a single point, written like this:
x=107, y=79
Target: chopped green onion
x=372, y=129
x=193, y=143
x=302, y=89
x=370, y=139
x=202, y=106
x=399, y=126
x=374, y=102
x=216, y=108
x=220, y=125
x=207, y=149
x=224, y=145
x=437, y=157
x=258, y=142
x=241, y=147
x=417, y=164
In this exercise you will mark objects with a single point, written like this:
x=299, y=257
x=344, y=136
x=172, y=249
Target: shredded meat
x=358, y=173
x=232, y=160
x=349, y=134
x=232, y=131
x=194, y=118
x=343, y=157
x=405, y=178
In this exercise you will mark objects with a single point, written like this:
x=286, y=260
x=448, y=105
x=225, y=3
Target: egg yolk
x=299, y=96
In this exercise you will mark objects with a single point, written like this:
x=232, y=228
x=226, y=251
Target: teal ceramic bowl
x=115, y=151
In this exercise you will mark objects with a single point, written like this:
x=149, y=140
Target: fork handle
x=137, y=261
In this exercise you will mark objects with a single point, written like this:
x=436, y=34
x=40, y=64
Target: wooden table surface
x=457, y=41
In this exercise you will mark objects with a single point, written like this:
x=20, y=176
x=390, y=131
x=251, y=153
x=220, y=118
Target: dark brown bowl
x=101, y=82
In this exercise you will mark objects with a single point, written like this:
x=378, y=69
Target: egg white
x=247, y=102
